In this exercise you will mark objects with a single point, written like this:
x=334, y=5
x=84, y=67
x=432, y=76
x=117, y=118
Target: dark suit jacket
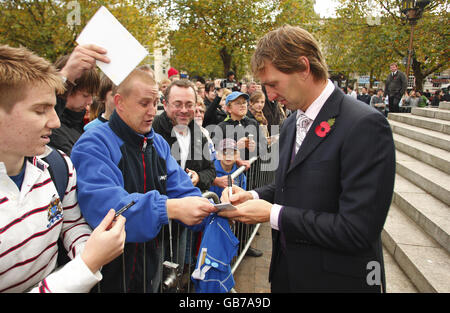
x=336, y=195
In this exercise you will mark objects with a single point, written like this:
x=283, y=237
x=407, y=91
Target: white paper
x=124, y=51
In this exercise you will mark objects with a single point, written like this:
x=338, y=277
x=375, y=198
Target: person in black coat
x=396, y=84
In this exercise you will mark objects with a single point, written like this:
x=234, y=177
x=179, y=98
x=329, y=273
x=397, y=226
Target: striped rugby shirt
x=31, y=221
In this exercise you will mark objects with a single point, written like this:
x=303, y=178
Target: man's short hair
x=125, y=87
x=183, y=83
x=19, y=68
x=284, y=46
x=89, y=81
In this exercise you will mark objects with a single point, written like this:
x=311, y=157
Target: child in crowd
x=227, y=155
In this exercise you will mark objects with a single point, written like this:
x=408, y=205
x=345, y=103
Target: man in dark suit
x=335, y=178
x=396, y=84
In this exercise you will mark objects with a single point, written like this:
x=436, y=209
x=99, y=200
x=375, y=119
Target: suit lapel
x=329, y=110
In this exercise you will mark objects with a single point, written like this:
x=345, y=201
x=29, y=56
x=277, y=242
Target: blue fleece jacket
x=113, y=163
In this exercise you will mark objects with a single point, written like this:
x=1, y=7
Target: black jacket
x=214, y=113
x=71, y=128
x=196, y=160
x=395, y=85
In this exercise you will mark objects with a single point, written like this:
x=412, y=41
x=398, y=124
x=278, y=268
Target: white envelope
x=124, y=51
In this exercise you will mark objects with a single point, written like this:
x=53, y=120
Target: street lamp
x=413, y=10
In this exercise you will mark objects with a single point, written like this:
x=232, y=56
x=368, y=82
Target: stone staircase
x=417, y=229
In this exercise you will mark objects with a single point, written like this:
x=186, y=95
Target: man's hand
x=239, y=195
x=105, y=243
x=250, y=212
x=81, y=59
x=189, y=210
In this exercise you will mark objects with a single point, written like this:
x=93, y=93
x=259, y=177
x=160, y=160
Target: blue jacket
x=218, y=247
x=115, y=166
x=240, y=181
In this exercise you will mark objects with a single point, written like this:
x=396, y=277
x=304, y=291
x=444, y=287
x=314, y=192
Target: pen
x=230, y=187
x=123, y=209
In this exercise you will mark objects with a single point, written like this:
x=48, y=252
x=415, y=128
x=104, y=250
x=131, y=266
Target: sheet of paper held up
x=124, y=51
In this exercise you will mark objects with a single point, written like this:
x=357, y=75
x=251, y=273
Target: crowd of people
x=396, y=94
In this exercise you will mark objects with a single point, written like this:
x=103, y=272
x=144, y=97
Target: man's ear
x=118, y=101
x=165, y=104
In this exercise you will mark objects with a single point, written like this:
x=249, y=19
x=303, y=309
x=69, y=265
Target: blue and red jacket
x=115, y=166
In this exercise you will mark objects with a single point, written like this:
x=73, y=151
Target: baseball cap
x=234, y=95
x=227, y=143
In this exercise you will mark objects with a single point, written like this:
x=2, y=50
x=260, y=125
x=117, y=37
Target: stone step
x=396, y=279
x=427, y=177
x=444, y=105
x=433, y=156
x=430, y=214
x=423, y=122
x=427, y=136
x=432, y=113
x=423, y=260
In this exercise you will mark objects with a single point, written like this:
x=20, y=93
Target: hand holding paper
x=124, y=51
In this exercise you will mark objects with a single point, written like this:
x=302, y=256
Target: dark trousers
x=393, y=104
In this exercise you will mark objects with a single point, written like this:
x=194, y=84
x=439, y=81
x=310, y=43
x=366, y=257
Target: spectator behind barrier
x=123, y=161
x=105, y=100
x=74, y=103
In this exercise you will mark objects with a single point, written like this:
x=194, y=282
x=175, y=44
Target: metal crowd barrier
x=186, y=241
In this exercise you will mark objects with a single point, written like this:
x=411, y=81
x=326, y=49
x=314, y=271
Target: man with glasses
x=177, y=126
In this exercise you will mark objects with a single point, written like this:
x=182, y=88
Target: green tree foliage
x=355, y=42
x=215, y=36
x=50, y=27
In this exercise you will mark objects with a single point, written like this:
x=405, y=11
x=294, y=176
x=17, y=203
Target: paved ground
x=252, y=274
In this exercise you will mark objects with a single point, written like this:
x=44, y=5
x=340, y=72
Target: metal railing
x=186, y=241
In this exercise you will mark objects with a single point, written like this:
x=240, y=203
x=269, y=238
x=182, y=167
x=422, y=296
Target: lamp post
x=412, y=9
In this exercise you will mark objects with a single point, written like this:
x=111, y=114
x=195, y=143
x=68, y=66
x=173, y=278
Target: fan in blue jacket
x=117, y=164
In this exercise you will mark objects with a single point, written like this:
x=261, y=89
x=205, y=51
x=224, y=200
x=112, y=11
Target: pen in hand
x=123, y=209
x=230, y=187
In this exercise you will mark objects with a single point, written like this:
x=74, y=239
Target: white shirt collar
x=315, y=107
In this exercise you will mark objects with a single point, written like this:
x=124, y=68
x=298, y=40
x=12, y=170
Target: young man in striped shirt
x=32, y=216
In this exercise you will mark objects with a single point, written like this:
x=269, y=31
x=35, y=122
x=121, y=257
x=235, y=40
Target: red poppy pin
x=324, y=127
